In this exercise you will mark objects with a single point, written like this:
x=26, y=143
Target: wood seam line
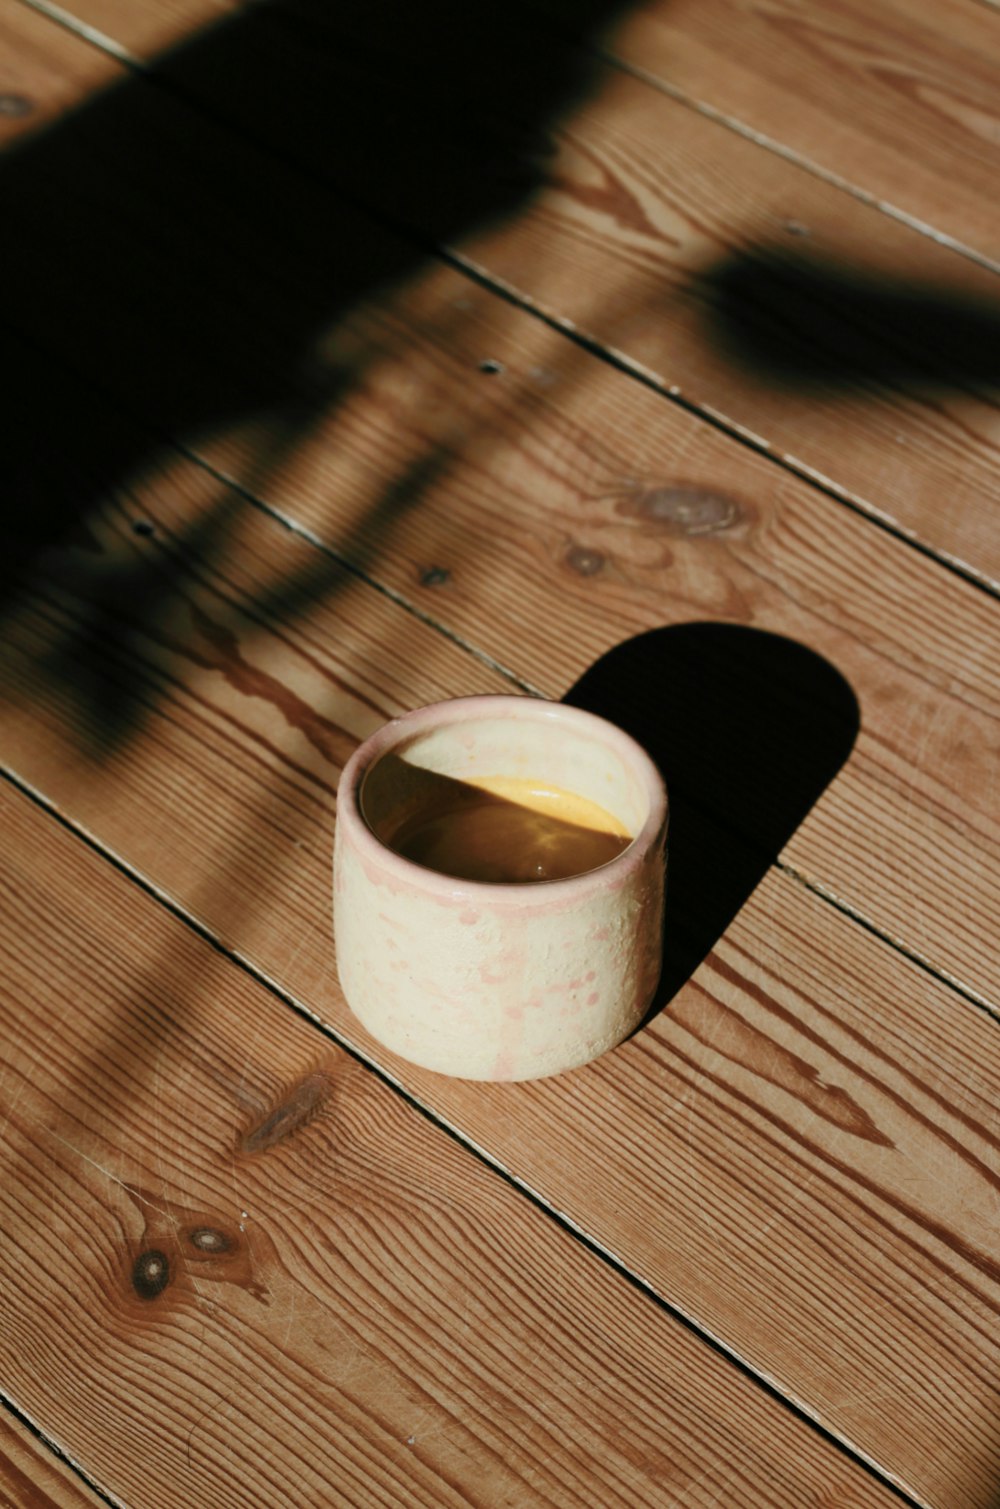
x=303, y=533
x=634, y=369
x=817, y=889
x=565, y=1223
x=612, y=60
x=118, y=406
x=620, y=361
x=86, y=33
x=789, y=871
x=777, y=148
x=56, y=1451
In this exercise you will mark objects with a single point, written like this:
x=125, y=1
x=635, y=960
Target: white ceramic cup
x=487, y=980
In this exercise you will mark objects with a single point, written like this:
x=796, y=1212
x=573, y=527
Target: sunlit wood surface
x=362, y=356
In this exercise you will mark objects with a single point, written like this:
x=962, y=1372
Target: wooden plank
x=552, y=492
x=897, y=100
x=576, y=512
x=143, y=31
x=799, y=1153
x=32, y=1477
x=273, y=1281
x=739, y=280
x=40, y=83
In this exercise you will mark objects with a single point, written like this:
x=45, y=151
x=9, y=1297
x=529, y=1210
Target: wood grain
x=187, y=693
x=537, y=495
x=900, y=101
x=800, y=1153
x=352, y=1310
x=546, y=493
x=32, y=1477
x=40, y=82
x=150, y=31
x=738, y=280
x=896, y=101
x=144, y=30
x=560, y=523
x=252, y=659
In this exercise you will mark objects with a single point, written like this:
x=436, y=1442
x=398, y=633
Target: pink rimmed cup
x=488, y=980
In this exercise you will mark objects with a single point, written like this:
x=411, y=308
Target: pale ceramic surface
x=500, y=982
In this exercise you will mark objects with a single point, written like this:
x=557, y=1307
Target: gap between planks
x=896, y=944
x=789, y=871
x=302, y=532
x=768, y=144
x=309, y=537
x=87, y=1485
x=468, y=1145
x=619, y=360
x=761, y=139
x=527, y=1191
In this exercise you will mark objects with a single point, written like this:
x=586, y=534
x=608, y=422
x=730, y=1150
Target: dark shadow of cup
x=748, y=728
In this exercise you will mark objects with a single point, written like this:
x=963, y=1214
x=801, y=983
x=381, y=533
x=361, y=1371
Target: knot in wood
x=584, y=561
x=150, y=1273
x=297, y=1109
x=688, y=510
x=15, y=106
x=210, y=1239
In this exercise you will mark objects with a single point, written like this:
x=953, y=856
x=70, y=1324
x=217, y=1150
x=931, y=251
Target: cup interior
x=543, y=746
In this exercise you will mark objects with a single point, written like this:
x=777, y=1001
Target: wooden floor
x=361, y=355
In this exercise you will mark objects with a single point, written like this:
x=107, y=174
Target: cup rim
x=513, y=893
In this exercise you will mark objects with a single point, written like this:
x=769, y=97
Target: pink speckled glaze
x=502, y=982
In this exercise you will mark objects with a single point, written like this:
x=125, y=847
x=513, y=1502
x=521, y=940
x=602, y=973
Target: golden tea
x=509, y=831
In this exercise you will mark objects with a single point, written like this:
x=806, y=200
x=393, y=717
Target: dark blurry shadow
x=748, y=729
x=165, y=279
x=805, y=320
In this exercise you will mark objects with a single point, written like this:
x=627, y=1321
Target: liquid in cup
x=508, y=831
